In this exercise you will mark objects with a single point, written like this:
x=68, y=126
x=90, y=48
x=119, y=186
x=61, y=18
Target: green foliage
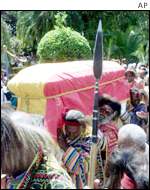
x=16, y=45
x=142, y=53
x=10, y=17
x=60, y=19
x=63, y=44
x=128, y=45
x=117, y=26
x=125, y=44
x=5, y=34
x=32, y=26
x=75, y=21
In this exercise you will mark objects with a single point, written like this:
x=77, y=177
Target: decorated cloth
x=44, y=173
x=76, y=160
x=127, y=183
x=110, y=131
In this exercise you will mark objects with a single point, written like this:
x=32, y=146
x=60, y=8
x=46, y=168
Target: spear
x=97, y=69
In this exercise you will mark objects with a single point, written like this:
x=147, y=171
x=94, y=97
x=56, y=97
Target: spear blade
x=97, y=69
x=98, y=52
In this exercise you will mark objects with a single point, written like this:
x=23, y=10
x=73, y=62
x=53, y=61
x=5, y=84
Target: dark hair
x=116, y=106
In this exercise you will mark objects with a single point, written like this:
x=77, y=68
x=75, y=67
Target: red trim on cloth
x=127, y=183
x=72, y=123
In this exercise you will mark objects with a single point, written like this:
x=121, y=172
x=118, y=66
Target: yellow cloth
x=28, y=86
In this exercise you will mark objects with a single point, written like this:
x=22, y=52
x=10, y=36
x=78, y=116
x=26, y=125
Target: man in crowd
x=109, y=111
x=76, y=143
x=128, y=167
x=142, y=72
x=137, y=106
x=130, y=75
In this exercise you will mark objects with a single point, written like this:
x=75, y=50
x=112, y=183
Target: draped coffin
x=51, y=88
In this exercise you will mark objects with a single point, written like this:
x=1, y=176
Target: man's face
x=130, y=77
x=72, y=132
x=135, y=97
x=142, y=73
x=105, y=114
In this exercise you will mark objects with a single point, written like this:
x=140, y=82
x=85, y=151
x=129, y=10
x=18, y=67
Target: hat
x=107, y=100
x=74, y=117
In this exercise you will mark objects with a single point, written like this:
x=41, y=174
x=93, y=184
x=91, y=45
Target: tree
x=124, y=46
x=32, y=26
x=5, y=34
x=10, y=17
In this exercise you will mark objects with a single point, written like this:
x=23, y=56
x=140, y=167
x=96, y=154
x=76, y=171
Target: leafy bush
x=63, y=44
x=16, y=45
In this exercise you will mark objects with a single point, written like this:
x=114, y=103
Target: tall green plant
x=142, y=53
x=5, y=34
x=32, y=25
x=10, y=17
x=126, y=45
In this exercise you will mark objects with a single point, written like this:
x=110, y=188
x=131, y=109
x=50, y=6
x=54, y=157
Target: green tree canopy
x=5, y=34
x=31, y=26
x=63, y=44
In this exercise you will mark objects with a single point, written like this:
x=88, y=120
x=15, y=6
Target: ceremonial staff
x=97, y=69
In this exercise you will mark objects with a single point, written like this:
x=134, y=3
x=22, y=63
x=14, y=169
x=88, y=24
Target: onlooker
x=137, y=105
x=141, y=75
x=130, y=75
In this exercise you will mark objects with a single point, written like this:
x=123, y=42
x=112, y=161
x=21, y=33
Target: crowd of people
x=137, y=108
x=122, y=151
